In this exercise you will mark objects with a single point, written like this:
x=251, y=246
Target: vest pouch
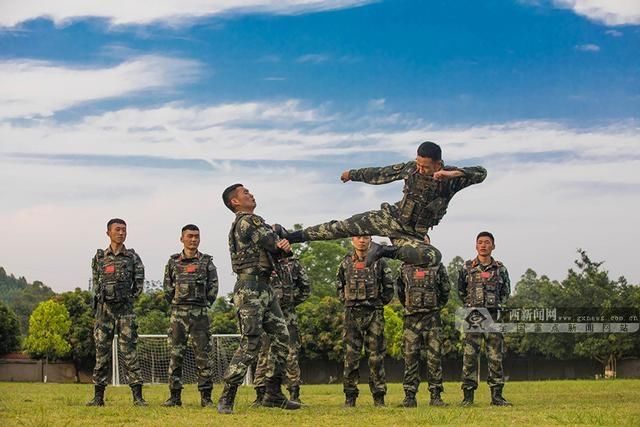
x=491, y=300
x=182, y=291
x=200, y=290
x=478, y=296
x=109, y=292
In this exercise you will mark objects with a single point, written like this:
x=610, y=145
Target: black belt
x=254, y=277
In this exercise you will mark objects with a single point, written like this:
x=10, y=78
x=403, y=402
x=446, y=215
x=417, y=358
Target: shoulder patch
x=256, y=220
x=100, y=253
x=175, y=256
x=398, y=167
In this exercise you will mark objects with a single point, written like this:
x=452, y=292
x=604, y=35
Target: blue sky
x=114, y=110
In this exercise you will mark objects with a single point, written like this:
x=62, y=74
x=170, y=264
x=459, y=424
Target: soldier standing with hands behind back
x=190, y=286
x=118, y=279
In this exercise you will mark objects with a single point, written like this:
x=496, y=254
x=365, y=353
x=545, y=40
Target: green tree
x=223, y=317
x=80, y=337
x=320, y=323
x=9, y=330
x=320, y=261
x=22, y=297
x=153, y=312
x=393, y=330
x=49, y=327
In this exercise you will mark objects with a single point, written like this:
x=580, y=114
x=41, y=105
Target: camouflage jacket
x=425, y=200
x=474, y=272
x=382, y=276
x=252, y=245
x=190, y=281
x=117, y=277
x=290, y=282
x=441, y=286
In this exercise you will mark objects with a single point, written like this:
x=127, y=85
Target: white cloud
x=588, y=47
x=172, y=12
x=550, y=190
x=608, y=12
x=37, y=88
x=313, y=58
x=614, y=33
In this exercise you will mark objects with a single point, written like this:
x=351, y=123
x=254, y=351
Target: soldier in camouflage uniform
x=254, y=247
x=428, y=188
x=364, y=291
x=190, y=286
x=118, y=279
x=423, y=291
x=291, y=287
x=484, y=282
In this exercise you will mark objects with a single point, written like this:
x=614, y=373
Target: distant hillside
x=22, y=296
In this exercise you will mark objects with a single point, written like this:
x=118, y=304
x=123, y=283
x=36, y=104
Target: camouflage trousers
x=258, y=313
x=109, y=318
x=364, y=327
x=383, y=222
x=292, y=373
x=190, y=320
x=494, y=346
x=422, y=331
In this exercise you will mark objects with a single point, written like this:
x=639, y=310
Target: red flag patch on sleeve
x=111, y=268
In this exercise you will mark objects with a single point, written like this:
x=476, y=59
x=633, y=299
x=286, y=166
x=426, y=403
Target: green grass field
x=540, y=403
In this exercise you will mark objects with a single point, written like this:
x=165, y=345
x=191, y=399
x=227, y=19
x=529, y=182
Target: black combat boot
x=136, y=391
x=98, y=396
x=436, y=400
x=468, y=397
x=378, y=399
x=174, y=399
x=377, y=251
x=350, y=400
x=205, y=398
x=259, y=396
x=294, y=394
x=274, y=398
x=409, y=400
x=496, y=396
x=225, y=403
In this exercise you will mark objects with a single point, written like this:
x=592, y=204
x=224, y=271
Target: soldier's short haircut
x=190, y=227
x=228, y=193
x=430, y=150
x=485, y=234
x=115, y=221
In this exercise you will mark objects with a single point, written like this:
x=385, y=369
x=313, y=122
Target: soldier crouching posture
x=118, y=278
x=423, y=291
x=484, y=282
x=291, y=287
x=190, y=286
x=253, y=246
x=364, y=291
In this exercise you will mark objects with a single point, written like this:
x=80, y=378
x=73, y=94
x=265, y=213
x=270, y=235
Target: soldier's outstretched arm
x=459, y=178
x=445, y=284
x=260, y=233
x=167, y=284
x=381, y=175
x=212, y=282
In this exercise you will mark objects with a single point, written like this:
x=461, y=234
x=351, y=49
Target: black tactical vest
x=483, y=287
x=361, y=284
x=424, y=203
x=246, y=257
x=190, y=280
x=116, y=275
x=283, y=282
x=420, y=287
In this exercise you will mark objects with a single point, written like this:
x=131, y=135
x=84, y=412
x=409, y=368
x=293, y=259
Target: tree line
x=321, y=316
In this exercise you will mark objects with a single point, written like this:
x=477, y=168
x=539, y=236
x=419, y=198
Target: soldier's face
x=361, y=243
x=117, y=233
x=190, y=239
x=243, y=200
x=484, y=246
x=427, y=166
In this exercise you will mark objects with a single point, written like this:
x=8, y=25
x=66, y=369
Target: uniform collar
x=183, y=257
x=477, y=263
x=108, y=251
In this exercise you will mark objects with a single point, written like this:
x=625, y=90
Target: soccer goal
x=154, y=355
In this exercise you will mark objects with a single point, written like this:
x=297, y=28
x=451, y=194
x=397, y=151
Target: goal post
x=154, y=355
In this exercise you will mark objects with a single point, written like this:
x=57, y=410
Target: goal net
x=154, y=356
